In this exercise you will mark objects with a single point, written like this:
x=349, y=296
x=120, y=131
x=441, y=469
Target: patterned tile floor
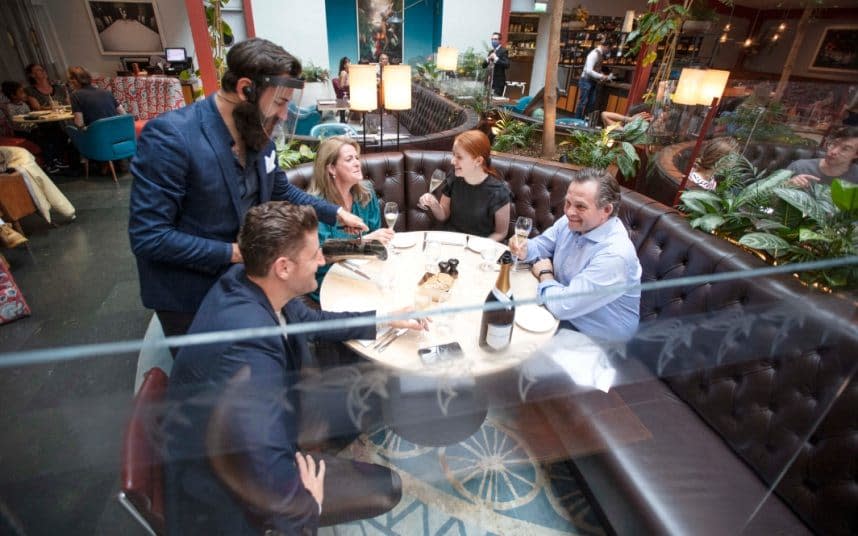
x=484, y=485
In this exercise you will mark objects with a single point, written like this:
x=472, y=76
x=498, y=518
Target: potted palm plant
x=614, y=145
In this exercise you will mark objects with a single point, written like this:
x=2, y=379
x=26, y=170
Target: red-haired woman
x=474, y=199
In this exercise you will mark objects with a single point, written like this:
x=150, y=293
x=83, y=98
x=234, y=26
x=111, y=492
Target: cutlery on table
x=383, y=339
x=355, y=270
x=399, y=332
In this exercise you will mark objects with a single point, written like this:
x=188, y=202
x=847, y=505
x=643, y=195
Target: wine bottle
x=496, y=325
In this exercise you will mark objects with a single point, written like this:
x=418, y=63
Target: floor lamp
x=363, y=91
x=699, y=86
x=396, y=80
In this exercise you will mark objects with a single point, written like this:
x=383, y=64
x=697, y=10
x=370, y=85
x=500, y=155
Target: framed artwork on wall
x=837, y=50
x=126, y=28
x=380, y=29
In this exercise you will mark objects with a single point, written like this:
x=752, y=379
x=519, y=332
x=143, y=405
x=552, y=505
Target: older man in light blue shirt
x=583, y=256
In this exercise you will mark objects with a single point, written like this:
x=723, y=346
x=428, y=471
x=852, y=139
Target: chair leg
x=86, y=168
x=112, y=171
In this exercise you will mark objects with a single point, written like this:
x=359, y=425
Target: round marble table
x=394, y=285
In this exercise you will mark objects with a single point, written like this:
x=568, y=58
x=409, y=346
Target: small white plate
x=534, y=318
x=402, y=241
x=478, y=244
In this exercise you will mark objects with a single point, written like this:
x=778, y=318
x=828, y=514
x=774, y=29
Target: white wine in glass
x=523, y=226
x=391, y=213
x=436, y=179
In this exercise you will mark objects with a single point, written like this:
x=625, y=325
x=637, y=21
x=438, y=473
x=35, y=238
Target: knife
x=399, y=333
x=425, y=235
x=383, y=339
x=352, y=269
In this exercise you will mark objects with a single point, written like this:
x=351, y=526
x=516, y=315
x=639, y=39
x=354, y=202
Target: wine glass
x=523, y=226
x=488, y=253
x=391, y=213
x=436, y=180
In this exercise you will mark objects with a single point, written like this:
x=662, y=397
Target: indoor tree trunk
x=550, y=101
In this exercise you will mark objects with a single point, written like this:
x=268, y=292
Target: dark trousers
x=174, y=324
x=587, y=91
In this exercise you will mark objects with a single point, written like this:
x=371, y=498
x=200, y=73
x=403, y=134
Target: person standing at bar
x=591, y=77
x=498, y=59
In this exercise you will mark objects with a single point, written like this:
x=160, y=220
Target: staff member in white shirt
x=591, y=77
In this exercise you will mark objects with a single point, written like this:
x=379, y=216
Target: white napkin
x=583, y=360
x=448, y=239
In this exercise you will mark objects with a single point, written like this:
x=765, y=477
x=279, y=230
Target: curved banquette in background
x=432, y=122
x=729, y=378
x=671, y=162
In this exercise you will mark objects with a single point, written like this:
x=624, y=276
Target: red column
x=248, y=18
x=504, y=24
x=200, y=33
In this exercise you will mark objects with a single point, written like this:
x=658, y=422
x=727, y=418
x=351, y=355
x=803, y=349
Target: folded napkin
x=448, y=239
x=584, y=361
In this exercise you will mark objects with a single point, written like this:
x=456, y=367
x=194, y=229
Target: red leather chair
x=142, y=492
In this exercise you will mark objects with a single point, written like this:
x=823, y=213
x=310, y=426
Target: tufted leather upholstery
x=729, y=377
x=671, y=163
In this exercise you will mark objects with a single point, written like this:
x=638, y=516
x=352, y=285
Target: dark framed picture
x=380, y=29
x=837, y=50
x=126, y=28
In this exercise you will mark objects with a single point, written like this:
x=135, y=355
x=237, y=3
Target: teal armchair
x=105, y=140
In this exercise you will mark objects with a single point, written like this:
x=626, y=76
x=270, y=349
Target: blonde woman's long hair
x=322, y=184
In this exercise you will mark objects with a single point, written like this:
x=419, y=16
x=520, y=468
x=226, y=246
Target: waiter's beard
x=249, y=123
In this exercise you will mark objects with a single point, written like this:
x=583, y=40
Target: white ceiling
x=782, y=4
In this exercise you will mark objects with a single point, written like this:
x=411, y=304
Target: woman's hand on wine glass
x=383, y=235
x=428, y=201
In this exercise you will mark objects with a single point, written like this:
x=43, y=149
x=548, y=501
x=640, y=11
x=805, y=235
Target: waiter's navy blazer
x=185, y=204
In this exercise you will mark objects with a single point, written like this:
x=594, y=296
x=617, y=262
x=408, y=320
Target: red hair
x=476, y=144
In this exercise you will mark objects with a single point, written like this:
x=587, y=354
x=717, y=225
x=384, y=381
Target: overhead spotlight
x=782, y=27
x=748, y=42
x=723, y=38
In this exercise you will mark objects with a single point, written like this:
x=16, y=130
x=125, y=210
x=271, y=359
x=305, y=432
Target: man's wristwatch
x=543, y=272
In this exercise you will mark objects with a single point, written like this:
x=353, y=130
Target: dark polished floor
x=61, y=421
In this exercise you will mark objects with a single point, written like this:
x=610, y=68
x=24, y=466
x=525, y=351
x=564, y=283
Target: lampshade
x=628, y=21
x=687, y=88
x=363, y=88
x=448, y=58
x=396, y=80
x=713, y=84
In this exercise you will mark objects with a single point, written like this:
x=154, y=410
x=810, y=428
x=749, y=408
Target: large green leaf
x=703, y=196
x=709, y=222
x=802, y=201
x=766, y=242
x=845, y=195
x=806, y=235
x=763, y=187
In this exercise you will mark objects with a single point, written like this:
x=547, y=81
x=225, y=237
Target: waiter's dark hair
x=271, y=230
x=256, y=58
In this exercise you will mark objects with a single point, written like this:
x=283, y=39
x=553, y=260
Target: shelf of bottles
x=522, y=32
x=576, y=42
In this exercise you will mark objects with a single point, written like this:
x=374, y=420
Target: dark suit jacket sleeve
x=297, y=311
x=263, y=427
x=157, y=194
x=285, y=191
x=503, y=58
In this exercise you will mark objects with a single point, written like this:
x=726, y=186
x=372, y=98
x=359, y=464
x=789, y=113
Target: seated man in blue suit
x=261, y=481
x=200, y=168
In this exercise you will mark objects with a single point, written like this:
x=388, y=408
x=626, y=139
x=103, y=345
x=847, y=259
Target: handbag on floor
x=12, y=303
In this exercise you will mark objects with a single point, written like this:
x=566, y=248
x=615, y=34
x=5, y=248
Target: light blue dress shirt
x=584, y=266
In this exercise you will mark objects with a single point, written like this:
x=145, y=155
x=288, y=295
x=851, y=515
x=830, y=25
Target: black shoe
x=60, y=164
x=51, y=169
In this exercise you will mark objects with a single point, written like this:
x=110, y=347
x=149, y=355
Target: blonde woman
x=337, y=178
x=706, y=165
